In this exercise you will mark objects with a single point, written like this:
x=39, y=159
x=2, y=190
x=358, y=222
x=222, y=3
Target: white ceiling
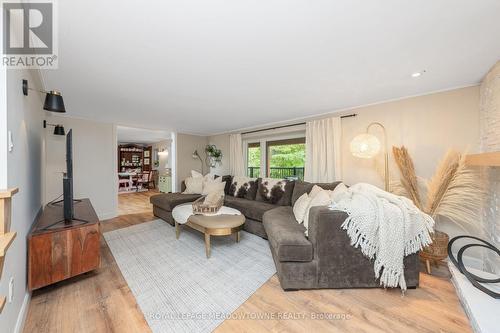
x=140, y=135
x=211, y=66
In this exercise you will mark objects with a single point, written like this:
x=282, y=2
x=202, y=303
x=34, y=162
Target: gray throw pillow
x=302, y=187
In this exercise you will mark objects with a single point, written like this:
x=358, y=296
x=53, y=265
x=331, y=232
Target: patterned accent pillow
x=243, y=187
x=275, y=191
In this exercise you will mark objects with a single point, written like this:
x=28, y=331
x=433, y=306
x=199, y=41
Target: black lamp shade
x=54, y=102
x=59, y=130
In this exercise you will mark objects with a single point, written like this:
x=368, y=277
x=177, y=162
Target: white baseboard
x=21, y=317
x=107, y=216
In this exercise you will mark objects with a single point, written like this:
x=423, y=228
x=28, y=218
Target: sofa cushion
x=275, y=191
x=306, y=187
x=167, y=201
x=243, y=187
x=250, y=208
x=286, y=236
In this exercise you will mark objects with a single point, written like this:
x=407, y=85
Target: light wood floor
x=135, y=202
x=102, y=302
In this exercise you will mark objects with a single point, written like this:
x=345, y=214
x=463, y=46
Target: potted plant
x=214, y=155
x=454, y=192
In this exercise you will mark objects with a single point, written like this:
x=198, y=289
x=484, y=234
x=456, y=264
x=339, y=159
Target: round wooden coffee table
x=225, y=222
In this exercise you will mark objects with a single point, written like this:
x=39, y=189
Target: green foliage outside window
x=254, y=156
x=287, y=156
x=286, y=160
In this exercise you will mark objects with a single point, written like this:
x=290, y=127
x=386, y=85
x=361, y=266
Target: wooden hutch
x=132, y=156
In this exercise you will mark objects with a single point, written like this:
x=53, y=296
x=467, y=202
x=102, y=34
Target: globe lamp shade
x=365, y=146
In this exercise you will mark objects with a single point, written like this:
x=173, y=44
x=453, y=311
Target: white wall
x=165, y=161
x=3, y=128
x=186, y=144
x=427, y=125
x=222, y=143
x=94, y=163
x=24, y=170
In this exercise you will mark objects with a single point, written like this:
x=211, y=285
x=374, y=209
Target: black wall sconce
x=53, y=99
x=58, y=129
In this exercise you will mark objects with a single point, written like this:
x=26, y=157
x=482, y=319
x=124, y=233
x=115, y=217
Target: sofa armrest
x=340, y=263
x=324, y=229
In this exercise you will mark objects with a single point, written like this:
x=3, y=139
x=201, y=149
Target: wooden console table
x=65, y=250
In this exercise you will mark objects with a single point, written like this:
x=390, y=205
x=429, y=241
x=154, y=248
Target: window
x=253, y=158
x=286, y=158
x=276, y=158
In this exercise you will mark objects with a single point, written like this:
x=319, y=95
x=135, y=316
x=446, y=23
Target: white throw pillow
x=320, y=199
x=339, y=191
x=314, y=191
x=193, y=185
x=208, y=182
x=196, y=174
x=300, y=207
x=213, y=197
x=213, y=186
x=207, y=177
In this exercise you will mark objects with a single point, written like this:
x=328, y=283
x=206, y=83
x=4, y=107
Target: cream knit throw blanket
x=387, y=227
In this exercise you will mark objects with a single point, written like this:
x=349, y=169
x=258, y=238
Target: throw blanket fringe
x=386, y=228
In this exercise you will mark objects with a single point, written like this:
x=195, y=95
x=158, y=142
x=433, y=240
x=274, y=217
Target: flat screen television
x=69, y=214
x=68, y=203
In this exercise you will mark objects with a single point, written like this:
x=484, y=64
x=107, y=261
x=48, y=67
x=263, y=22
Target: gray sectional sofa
x=323, y=259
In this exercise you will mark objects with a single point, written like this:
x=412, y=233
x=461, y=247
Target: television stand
x=62, y=200
x=64, y=223
x=67, y=224
x=58, y=250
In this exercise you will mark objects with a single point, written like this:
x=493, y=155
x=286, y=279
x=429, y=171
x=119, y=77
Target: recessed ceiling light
x=417, y=74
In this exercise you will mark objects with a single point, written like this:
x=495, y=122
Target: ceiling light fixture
x=418, y=74
x=163, y=152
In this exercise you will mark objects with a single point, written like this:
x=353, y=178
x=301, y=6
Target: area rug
x=177, y=288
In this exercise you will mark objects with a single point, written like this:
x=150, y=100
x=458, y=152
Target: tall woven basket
x=437, y=251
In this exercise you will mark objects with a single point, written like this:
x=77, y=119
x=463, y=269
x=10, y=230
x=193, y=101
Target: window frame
x=248, y=145
x=282, y=142
x=263, y=140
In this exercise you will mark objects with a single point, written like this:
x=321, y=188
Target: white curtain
x=236, y=158
x=323, y=150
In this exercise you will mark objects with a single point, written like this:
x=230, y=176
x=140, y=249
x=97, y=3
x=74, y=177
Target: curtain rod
x=284, y=126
